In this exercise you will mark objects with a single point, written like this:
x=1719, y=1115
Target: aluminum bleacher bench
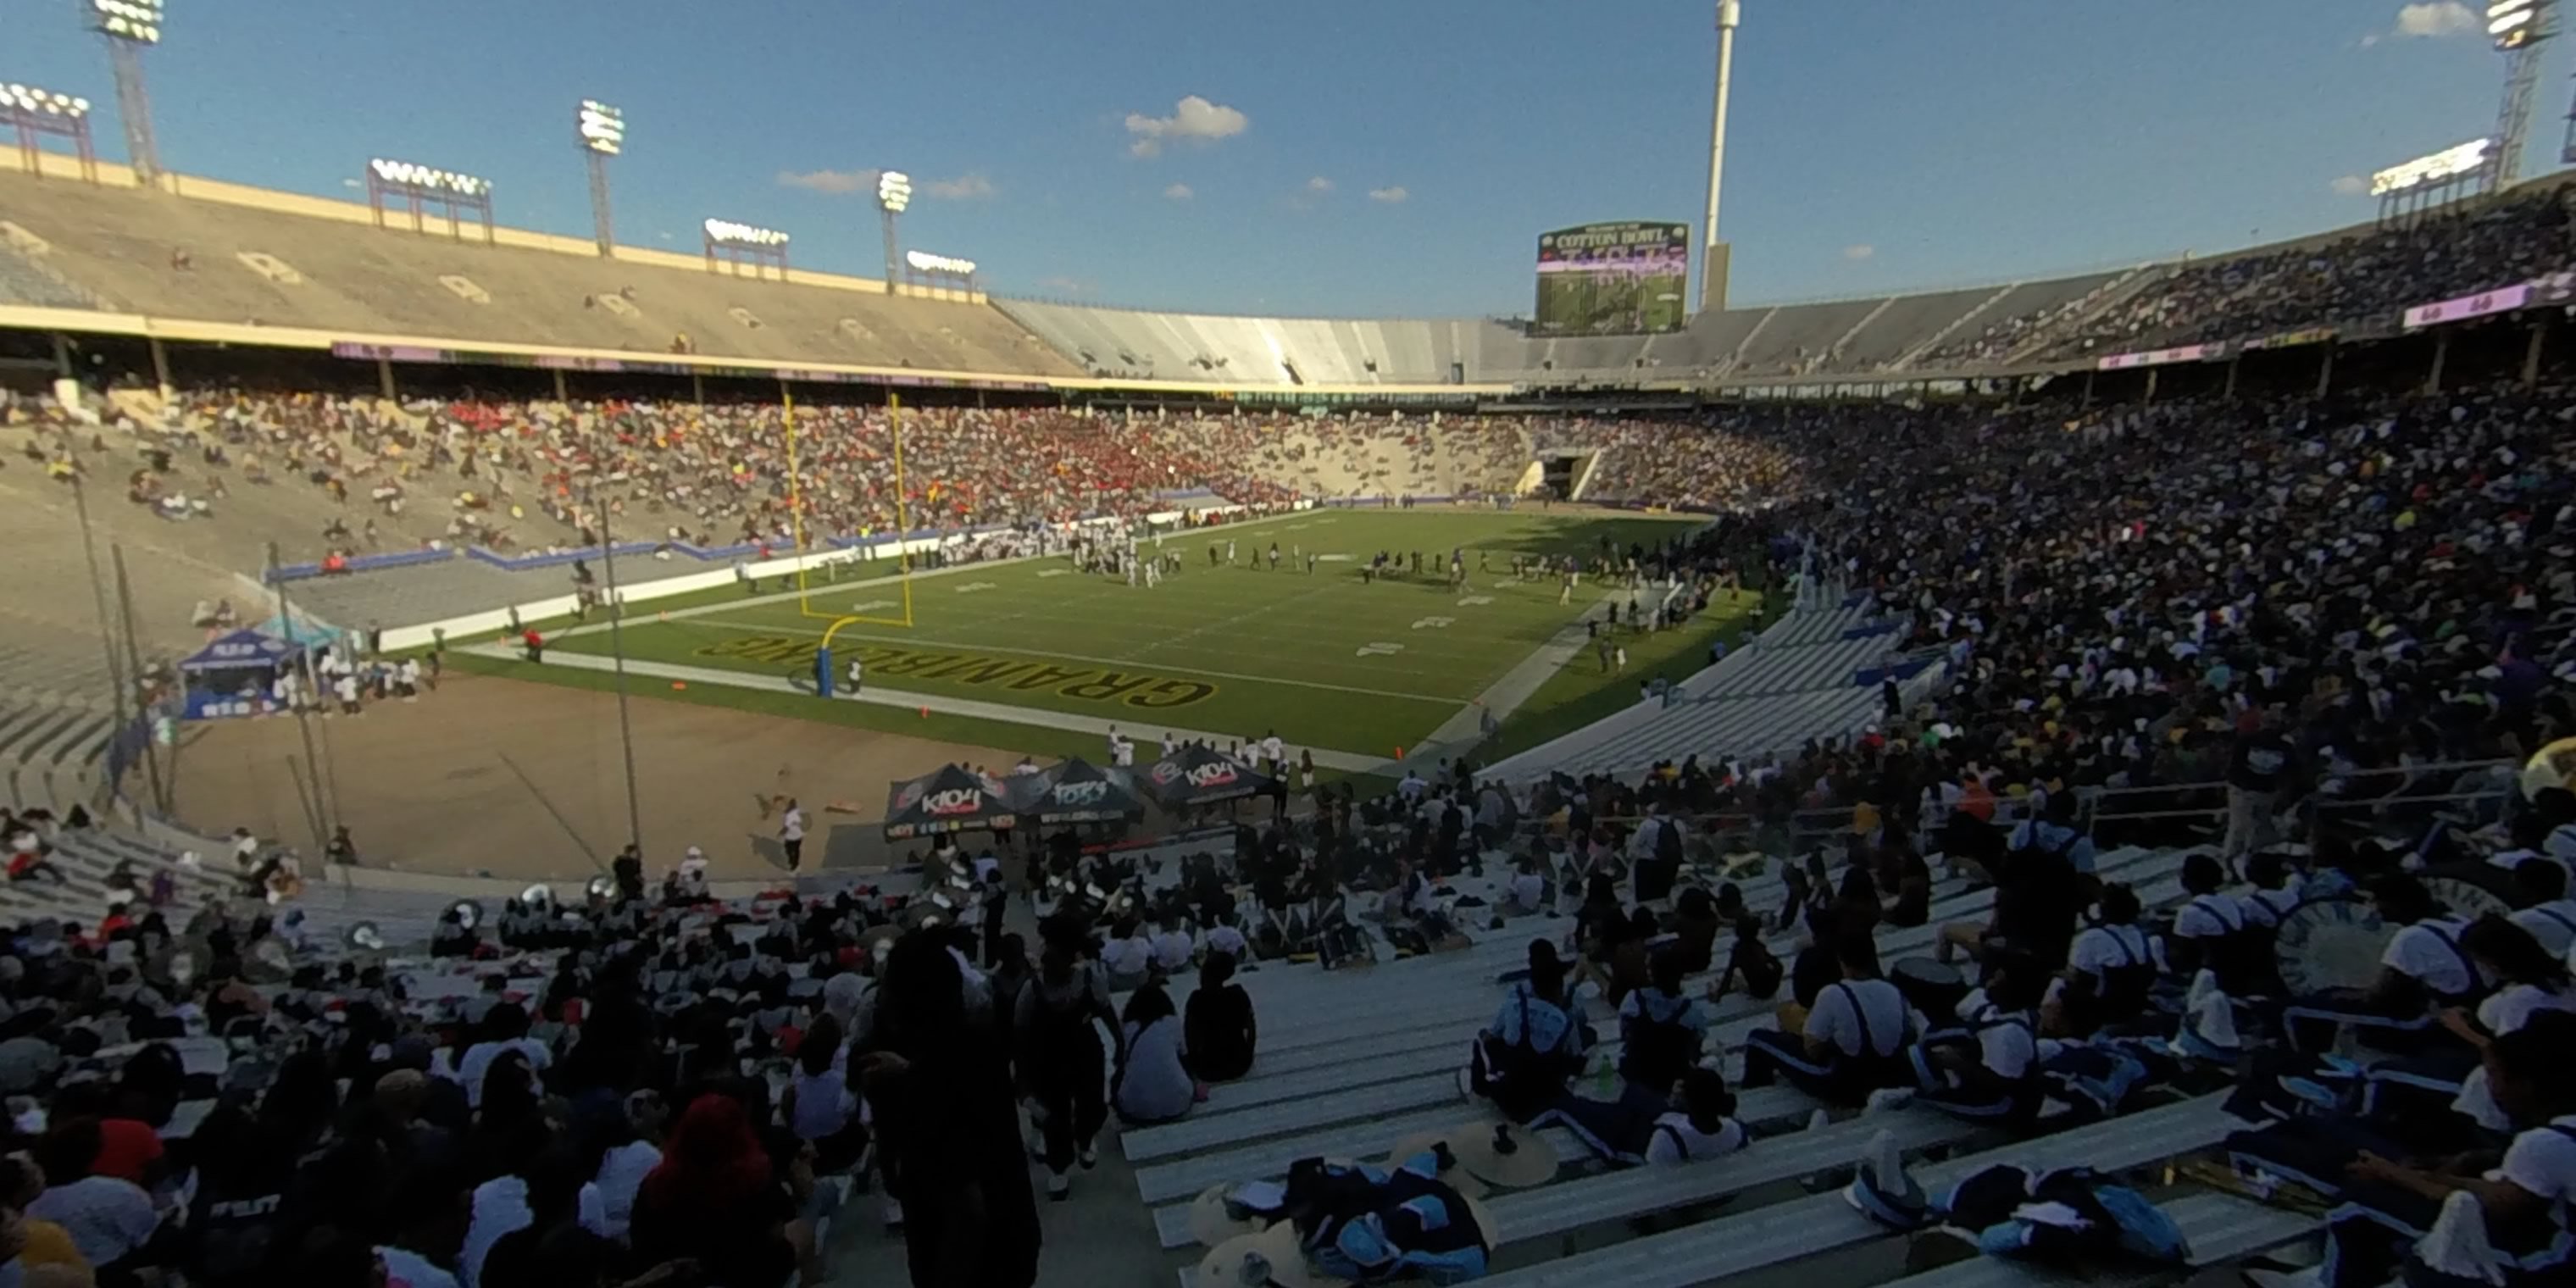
x=2220, y=1229
x=1375, y=1034
x=1526, y=1215
x=1175, y=1183
x=1407, y=1019
x=1324, y=1086
x=1196, y=1133
x=1785, y=1232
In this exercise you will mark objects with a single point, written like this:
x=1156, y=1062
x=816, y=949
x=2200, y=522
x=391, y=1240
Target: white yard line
x=1517, y=685
x=1004, y=713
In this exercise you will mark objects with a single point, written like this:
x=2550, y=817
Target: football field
x=1324, y=658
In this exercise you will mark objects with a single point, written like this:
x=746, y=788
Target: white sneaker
x=1887, y=1100
x=1090, y=1158
x=1059, y=1186
x=893, y=1212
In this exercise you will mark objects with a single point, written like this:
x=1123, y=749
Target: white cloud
x=1179, y=192
x=1859, y=252
x=2351, y=185
x=831, y=182
x=2439, y=18
x=972, y=186
x=1319, y=184
x=1394, y=196
x=1193, y=120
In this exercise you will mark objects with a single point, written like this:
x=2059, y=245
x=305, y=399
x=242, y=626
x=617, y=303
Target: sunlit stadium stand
x=1797, y=682
x=226, y=262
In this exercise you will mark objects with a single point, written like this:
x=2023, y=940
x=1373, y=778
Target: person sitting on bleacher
x=2423, y=969
x=1219, y=1033
x=2216, y=931
x=2541, y=905
x=1854, y=1039
x=1126, y=954
x=1522, y=1060
x=2447, y=1078
x=1986, y=1066
x=2114, y=957
x=2039, y=898
x=1661, y=1028
x=1694, y=1119
x=2382, y=1204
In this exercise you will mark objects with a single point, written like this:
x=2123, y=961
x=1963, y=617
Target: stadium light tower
x=1713, y=253
x=894, y=195
x=31, y=112
x=128, y=26
x=2520, y=28
x=602, y=131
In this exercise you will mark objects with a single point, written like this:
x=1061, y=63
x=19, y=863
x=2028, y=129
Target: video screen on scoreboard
x=1626, y=278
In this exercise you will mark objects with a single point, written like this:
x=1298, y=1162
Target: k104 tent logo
x=955, y=800
x=1207, y=775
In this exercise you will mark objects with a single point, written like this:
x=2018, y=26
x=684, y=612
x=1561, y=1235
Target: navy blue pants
x=1772, y=1056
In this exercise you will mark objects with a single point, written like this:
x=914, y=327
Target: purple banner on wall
x=2503, y=300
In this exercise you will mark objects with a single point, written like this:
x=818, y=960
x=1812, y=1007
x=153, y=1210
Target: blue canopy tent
x=236, y=675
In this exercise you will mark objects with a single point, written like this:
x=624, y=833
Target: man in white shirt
x=2387, y=1204
x=1854, y=1037
x=1172, y=946
x=608, y=1199
x=2542, y=906
x=1224, y=938
x=2422, y=968
x=791, y=835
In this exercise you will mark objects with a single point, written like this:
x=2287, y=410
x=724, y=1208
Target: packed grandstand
x=2157, y=772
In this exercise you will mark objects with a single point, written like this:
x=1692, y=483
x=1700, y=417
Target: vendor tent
x=1197, y=775
x=235, y=674
x=1078, y=791
x=949, y=799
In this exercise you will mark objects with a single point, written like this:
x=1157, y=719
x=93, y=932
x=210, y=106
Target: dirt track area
x=526, y=781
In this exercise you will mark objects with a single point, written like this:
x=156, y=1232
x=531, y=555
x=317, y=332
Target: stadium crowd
x=2363, y=273
x=2293, y=615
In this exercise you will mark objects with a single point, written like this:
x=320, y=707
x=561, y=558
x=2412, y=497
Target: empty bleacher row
x=1798, y=681
x=1339, y=1077
x=1868, y=334
x=225, y=261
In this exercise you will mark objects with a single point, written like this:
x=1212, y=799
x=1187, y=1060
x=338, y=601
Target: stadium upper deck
x=310, y=272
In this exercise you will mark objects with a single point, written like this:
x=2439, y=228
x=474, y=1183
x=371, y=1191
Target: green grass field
x=1323, y=659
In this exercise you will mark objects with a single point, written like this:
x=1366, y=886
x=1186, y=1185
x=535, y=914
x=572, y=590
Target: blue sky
x=1875, y=144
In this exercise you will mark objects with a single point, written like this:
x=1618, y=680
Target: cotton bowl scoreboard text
x=1612, y=279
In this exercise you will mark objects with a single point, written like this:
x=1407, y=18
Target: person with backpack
x=1658, y=854
x=1522, y=1061
x=1661, y=1028
x=1061, y=1062
x=2423, y=969
x=1854, y=1039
